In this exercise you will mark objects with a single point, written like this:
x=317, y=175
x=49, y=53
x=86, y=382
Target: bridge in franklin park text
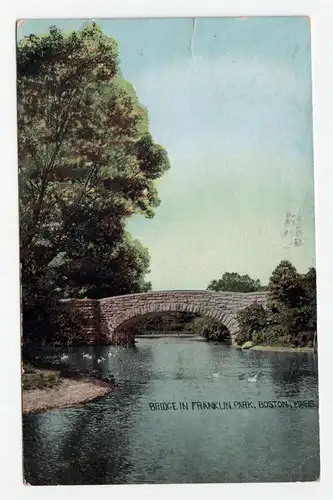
x=111, y=320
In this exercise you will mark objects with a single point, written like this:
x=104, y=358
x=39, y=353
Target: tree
x=86, y=163
x=292, y=303
x=103, y=270
x=234, y=282
x=285, y=286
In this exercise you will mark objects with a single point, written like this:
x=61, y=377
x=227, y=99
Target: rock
x=248, y=345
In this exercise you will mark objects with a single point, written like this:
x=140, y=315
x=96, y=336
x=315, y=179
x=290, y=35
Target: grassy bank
x=277, y=348
x=35, y=378
x=45, y=389
x=281, y=348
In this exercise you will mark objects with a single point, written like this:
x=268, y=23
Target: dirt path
x=68, y=392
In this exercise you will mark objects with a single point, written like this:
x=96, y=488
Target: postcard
x=167, y=249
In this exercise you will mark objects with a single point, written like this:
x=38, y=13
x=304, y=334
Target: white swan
x=252, y=379
x=216, y=375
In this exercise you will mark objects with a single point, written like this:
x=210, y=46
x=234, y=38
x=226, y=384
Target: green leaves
x=285, y=286
x=291, y=316
x=66, y=56
x=211, y=329
x=234, y=282
x=86, y=163
x=252, y=320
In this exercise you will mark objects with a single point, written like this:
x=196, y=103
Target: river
x=119, y=439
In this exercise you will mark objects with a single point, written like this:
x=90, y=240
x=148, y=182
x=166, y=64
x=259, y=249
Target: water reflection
x=292, y=373
x=84, y=445
x=118, y=439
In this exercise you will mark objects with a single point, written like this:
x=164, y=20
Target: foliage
x=234, y=282
x=292, y=303
x=252, y=319
x=309, y=304
x=210, y=329
x=86, y=163
x=285, y=287
x=291, y=315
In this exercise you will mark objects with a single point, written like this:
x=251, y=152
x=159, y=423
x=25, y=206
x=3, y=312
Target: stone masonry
x=109, y=320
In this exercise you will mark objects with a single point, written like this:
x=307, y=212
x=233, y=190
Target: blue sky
x=236, y=120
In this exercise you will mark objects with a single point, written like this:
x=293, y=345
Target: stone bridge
x=110, y=320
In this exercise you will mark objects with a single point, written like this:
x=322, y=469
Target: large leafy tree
x=86, y=163
x=292, y=303
x=285, y=286
x=234, y=282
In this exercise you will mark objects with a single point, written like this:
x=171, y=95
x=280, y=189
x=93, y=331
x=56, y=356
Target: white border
x=321, y=14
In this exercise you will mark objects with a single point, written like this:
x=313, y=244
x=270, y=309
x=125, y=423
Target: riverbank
x=66, y=392
x=281, y=348
x=276, y=348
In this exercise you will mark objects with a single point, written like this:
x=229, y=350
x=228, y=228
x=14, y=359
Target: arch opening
x=211, y=325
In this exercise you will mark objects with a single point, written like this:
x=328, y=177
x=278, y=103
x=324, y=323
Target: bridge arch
x=105, y=320
x=118, y=313
x=123, y=328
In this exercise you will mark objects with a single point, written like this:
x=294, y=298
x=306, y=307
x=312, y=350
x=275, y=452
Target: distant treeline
x=234, y=282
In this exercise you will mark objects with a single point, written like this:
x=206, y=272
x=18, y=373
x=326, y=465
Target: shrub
x=49, y=321
x=252, y=320
x=211, y=329
x=273, y=335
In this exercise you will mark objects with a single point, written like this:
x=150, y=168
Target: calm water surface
x=118, y=439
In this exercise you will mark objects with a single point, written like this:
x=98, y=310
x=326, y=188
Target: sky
x=235, y=115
